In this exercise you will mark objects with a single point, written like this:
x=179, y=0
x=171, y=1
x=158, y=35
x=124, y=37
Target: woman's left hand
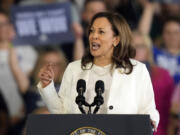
x=153, y=123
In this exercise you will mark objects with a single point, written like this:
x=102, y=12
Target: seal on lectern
x=87, y=131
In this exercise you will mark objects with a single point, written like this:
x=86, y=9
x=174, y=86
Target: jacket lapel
x=116, y=89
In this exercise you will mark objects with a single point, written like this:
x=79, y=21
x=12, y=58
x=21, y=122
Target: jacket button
x=110, y=107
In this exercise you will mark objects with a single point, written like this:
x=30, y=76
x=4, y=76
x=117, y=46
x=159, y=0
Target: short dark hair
x=124, y=50
x=171, y=19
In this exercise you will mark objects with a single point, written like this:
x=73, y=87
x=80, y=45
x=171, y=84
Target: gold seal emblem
x=87, y=131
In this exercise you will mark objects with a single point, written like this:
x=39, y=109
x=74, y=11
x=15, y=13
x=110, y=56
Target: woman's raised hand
x=46, y=75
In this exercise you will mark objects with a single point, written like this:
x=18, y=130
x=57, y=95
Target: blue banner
x=42, y=24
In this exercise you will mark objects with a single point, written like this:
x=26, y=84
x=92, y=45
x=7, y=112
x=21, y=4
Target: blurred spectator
x=126, y=8
x=169, y=56
x=91, y=7
x=174, y=126
x=162, y=82
x=8, y=62
x=159, y=11
x=166, y=11
x=27, y=57
x=47, y=55
x=12, y=78
x=170, y=9
x=146, y=18
x=41, y=110
x=4, y=117
x=25, y=53
x=6, y=4
x=79, y=5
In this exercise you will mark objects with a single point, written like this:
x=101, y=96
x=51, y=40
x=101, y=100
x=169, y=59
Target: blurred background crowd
x=156, y=37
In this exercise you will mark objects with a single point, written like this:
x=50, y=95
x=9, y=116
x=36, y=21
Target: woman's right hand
x=46, y=75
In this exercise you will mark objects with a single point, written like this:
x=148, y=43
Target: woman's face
x=6, y=30
x=101, y=38
x=171, y=35
x=56, y=62
x=93, y=8
x=141, y=49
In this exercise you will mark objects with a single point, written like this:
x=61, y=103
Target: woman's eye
x=90, y=31
x=101, y=32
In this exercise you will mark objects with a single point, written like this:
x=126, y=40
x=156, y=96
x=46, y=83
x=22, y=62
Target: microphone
x=98, y=100
x=80, y=99
x=81, y=87
x=99, y=87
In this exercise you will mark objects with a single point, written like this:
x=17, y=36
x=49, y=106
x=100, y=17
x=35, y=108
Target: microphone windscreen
x=99, y=86
x=81, y=84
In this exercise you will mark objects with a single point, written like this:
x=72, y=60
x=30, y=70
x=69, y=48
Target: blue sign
x=42, y=24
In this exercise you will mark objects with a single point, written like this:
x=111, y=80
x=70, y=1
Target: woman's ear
x=116, y=41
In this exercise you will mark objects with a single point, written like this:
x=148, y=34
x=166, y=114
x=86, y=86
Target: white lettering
x=53, y=25
x=26, y=27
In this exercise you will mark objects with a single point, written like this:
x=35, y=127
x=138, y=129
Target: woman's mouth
x=95, y=46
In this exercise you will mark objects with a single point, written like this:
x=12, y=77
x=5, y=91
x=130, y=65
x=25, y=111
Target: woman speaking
x=127, y=89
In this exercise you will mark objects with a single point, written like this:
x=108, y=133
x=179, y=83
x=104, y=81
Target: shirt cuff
x=47, y=91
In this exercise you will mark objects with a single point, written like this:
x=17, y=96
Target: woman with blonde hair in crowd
x=57, y=60
x=161, y=80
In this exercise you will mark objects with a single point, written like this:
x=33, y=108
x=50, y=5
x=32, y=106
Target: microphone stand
x=88, y=105
x=98, y=101
x=89, y=111
x=96, y=109
x=81, y=109
x=80, y=101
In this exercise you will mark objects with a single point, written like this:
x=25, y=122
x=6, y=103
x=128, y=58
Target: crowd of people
x=155, y=37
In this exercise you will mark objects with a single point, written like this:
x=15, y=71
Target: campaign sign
x=42, y=24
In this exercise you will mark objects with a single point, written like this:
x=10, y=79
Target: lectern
x=80, y=124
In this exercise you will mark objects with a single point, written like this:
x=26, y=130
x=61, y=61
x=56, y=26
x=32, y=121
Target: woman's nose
x=51, y=65
x=95, y=35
